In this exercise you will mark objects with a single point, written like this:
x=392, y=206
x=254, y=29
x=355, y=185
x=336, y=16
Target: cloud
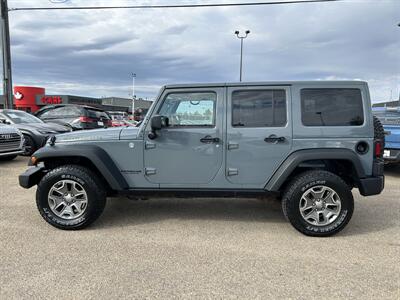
x=94, y=52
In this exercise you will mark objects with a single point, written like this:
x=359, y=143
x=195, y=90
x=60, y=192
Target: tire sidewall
x=43, y=205
x=346, y=212
x=29, y=140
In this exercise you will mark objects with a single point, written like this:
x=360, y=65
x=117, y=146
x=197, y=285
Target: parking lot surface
x=196, y=248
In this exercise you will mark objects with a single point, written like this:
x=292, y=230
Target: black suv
x=77, y=117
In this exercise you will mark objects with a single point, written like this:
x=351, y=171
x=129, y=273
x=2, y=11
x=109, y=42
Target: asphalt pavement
x=196, y=249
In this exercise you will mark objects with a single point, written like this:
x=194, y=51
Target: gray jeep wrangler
x=309, y=143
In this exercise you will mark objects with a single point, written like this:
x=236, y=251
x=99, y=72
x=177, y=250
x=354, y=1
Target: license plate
x=386, y=153
x=100, y=123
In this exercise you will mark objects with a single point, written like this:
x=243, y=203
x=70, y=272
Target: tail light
x=108, y=123
x=85, y=119
x=378, y=149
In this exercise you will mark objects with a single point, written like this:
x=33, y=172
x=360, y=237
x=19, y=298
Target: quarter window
x=332, y=107
x=259, y=108
x=189, y=109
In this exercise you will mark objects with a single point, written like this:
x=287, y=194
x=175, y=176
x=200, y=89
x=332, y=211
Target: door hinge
x=149, y=145
x=233, y=145
x=233, y=172
x=150, y=171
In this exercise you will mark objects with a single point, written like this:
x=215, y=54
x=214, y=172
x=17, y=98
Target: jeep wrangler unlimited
x=310, y=143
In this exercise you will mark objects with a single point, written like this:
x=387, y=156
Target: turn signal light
x=33, y=161
x=378, y=149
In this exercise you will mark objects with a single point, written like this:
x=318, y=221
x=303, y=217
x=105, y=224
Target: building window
x=259, y=108
x=332, y=107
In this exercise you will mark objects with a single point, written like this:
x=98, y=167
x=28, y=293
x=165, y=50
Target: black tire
x=302, y=183
x=96, y=196
x=7, y=158
x=29, y=146
x=379, y=131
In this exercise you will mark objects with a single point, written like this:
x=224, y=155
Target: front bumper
x=31, y=177
x=11, y=153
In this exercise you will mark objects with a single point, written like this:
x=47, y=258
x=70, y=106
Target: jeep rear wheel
x=70, y=197
x=318, y=203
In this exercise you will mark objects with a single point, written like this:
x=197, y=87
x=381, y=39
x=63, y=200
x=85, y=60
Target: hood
x=129, y=133
x=7, y=129
x=43, y=127
x=104, y=134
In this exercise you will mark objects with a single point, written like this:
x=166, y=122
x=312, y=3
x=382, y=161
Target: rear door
x=259, y=133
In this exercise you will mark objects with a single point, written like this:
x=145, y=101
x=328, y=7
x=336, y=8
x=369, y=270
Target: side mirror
x=4, y=121
x=157, y=123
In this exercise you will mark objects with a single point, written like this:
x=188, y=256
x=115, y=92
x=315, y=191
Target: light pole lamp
x=133, y=95
x=241, y=37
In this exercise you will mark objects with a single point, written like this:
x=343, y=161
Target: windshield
x=388, y=118
x=21, y=117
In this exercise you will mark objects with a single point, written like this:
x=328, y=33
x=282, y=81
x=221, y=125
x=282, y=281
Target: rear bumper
x=31, y=177
x=371, y=186
x=392, y=155
x=375, y=184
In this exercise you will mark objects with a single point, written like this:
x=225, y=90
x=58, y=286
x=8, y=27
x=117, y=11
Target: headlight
x=46, y=132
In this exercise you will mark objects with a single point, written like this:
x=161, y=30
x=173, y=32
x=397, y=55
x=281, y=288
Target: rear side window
x=332, y=107
x=97, y=114
x=259, y=108
x=65, y=111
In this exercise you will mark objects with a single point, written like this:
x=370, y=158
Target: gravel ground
x=196, y=248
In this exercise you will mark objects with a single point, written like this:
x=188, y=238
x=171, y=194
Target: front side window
x=332, y=107
x=259, y=108
x=189, y=109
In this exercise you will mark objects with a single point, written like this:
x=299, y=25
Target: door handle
x=275, y=139
x=209, y=140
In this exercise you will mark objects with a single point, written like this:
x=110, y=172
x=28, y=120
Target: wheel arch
x=328, y=159
x=90, y=156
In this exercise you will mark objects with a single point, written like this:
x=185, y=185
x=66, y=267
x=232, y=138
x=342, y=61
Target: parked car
x=11, y=142
x=77, y=117
x=35, y=131
x=216, y=140
x=119, y=118
x=390, y=118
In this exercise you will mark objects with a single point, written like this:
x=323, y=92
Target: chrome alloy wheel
x=67, y=199
x=320, y=205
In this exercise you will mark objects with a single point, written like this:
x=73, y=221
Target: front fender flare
x=95, y=154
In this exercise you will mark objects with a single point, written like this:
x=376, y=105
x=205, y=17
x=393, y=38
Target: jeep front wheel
x=318, y=203
x=70, y=197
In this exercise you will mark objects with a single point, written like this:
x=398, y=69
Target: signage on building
x=51, y=100
x=18, y=96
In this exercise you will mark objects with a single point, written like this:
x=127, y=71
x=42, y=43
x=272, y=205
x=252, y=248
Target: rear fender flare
x=296, y=158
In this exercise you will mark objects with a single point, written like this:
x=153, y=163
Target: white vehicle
x=11, y=142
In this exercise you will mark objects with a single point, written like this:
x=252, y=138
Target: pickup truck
x=390, y=119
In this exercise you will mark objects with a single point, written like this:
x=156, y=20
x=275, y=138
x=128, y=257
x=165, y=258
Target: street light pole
x=5, y=43
x=133, y=95
x=241, y=50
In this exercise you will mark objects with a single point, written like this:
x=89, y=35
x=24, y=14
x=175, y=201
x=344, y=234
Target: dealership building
x=31, y=99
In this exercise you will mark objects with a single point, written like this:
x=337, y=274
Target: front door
x=189, y=151
x=259, y=133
